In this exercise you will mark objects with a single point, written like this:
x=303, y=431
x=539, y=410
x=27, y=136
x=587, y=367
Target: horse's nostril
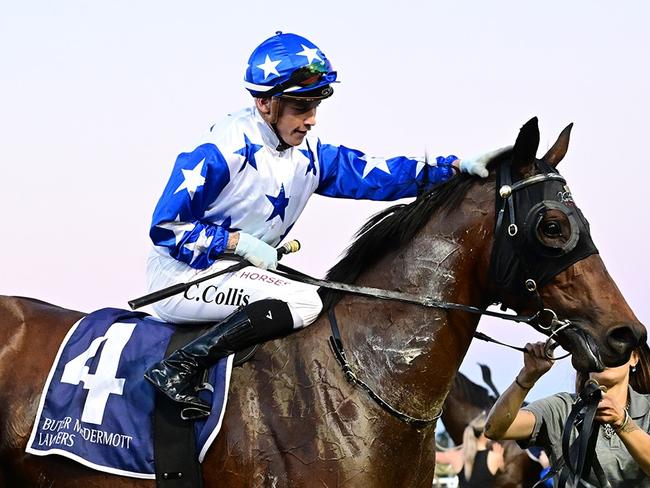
x=622, y=339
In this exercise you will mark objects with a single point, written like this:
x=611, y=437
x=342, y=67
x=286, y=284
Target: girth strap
x=175, y=458
x=337, y=347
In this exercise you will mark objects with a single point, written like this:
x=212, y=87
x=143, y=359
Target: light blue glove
x=257, y=252
x=478, y=164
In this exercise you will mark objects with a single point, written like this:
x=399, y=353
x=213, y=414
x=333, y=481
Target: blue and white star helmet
x=289, y=65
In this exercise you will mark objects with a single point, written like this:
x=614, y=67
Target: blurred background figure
x=477, y=461
x=444, y=476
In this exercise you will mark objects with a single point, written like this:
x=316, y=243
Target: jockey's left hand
x=256, y=251
x=477, y=165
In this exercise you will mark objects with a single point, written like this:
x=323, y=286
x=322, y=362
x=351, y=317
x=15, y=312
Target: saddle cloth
x=96, y=407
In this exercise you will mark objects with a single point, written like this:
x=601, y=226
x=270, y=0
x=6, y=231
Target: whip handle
x=157, y=295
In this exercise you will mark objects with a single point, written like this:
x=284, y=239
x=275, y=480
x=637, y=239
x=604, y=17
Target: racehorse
x=465, y=401
x=293, y=419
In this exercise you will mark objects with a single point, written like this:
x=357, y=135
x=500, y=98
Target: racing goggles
x=314, y=74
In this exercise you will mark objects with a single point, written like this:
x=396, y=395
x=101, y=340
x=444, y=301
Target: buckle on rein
x=555, y=325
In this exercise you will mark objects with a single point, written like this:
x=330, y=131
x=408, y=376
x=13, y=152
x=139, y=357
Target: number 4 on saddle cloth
x=96, y=407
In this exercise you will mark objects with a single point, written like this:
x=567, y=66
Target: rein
x=544, y=320
x=399, y=296
x=336, y=342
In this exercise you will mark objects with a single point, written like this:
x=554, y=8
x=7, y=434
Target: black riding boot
x=177, y=375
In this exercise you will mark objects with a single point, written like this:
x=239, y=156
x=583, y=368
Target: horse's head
x=544, y=260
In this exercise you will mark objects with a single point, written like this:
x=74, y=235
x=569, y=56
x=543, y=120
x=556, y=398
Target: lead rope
x=579, y=458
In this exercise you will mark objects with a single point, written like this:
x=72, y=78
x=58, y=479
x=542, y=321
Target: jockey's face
x=294, y=117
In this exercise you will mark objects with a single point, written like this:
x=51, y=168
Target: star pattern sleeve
x=197, y=179
x=348, y=173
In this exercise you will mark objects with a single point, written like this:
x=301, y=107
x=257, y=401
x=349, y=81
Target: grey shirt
x=619, y=466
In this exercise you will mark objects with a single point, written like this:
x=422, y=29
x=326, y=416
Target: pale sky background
x=97, y=98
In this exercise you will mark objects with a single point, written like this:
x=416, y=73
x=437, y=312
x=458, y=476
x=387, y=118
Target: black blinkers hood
x=521, y=264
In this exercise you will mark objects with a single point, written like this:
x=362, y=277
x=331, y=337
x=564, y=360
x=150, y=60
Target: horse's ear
x=557, y=152
x=523, y=154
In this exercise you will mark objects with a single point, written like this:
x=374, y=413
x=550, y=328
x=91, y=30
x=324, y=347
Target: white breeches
x=215, y=299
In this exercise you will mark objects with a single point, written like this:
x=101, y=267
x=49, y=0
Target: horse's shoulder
x=287, y=368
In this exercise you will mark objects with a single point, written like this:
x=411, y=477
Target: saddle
x=97, y=409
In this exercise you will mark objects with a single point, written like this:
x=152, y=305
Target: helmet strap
x=275, y=111
x=272, y=119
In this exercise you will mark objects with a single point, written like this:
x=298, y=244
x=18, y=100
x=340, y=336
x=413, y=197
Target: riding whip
x=153, y=297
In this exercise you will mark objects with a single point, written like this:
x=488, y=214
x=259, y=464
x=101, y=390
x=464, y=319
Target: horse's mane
x=391, y=229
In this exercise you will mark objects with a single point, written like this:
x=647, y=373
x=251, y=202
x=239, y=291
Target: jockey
x=241, y=191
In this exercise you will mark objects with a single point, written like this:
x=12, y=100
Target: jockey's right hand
x=536, y=364
x=257, y=252
x=477, y=165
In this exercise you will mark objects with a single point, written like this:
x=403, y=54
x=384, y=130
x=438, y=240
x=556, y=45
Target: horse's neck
x=412, y=352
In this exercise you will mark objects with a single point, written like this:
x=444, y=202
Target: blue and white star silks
x=199, y=246
x=237, y=180
x=279, y=204
x=311, y=167
x=248, y=152
x=178, y=228
x=372, y=163
x=276, y=59
x=227, y=224
x=192, y=179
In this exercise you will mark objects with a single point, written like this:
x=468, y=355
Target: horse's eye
x=551, y=228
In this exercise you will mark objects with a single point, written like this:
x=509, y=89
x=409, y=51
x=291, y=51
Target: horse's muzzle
x=621, y=341
x=585, y=352
x=592, y=353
